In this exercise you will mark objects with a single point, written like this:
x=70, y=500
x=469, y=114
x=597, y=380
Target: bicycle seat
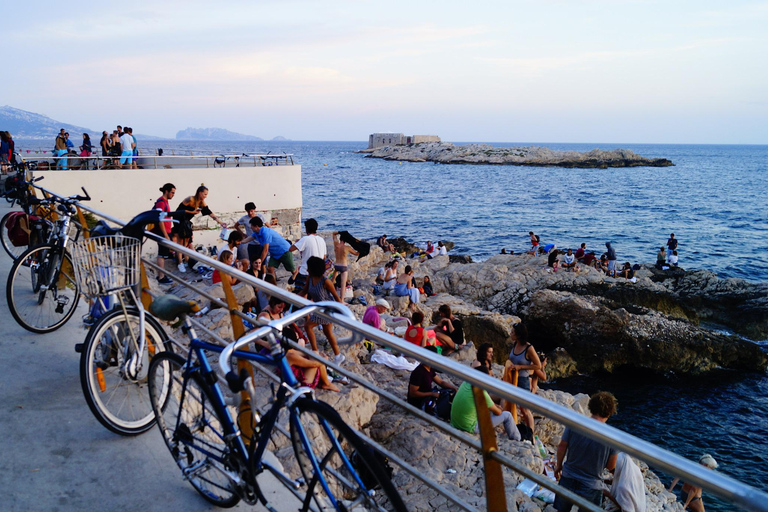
x=169, y=307
x=103, y=229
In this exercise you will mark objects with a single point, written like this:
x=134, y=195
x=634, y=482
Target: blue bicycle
x=339, y=471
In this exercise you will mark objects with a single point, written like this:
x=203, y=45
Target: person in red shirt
x=164, y=228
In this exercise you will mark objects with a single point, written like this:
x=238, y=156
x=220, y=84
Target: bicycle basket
x=106, y=264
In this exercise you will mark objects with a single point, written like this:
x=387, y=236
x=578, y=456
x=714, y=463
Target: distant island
x=447, y=153
x=219, y=134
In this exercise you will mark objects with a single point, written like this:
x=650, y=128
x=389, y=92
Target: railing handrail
x=719, y=484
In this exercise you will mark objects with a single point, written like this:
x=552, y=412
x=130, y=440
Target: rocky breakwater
x=599, y=323
x=447, y=153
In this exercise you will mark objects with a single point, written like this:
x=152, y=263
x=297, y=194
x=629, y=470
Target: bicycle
x=41, y=289
x=120, y=344
x=338, y=469
x=32, y=226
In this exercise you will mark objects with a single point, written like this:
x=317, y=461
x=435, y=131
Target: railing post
x=244, y=417
x=495, y=496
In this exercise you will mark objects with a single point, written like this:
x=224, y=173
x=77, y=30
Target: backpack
x=18, y=229
x=444, y=402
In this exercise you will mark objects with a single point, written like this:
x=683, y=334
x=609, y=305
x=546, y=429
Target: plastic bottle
x=540, y=446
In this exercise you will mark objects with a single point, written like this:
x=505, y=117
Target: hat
x=708, y=461
x=383, y=303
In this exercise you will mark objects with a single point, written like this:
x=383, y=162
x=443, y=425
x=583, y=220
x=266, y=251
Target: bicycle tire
x=326, y=434
x=36, y=310
x=118, y=399
x=191, y=428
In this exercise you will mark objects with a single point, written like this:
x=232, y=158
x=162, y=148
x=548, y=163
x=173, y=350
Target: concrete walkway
x=55, y=456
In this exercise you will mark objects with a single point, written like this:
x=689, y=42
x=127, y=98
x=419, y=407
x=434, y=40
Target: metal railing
x=725, y=487
x=96, y=162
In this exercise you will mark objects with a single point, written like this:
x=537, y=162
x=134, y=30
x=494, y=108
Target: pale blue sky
x=559, y=71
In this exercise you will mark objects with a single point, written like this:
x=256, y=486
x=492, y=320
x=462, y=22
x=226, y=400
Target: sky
x=493, y=71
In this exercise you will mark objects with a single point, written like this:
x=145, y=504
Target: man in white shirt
x=441, y=249
x=308, y=246
x=569, y=261
x=126, y=141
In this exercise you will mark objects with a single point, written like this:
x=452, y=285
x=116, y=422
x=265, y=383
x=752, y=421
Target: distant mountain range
x=29, y=125
x=218, y=134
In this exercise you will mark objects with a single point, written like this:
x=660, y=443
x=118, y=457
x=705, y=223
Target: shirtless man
x=341, y=265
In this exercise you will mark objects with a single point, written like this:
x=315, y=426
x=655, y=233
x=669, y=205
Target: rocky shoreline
x=587, y=323
x=447, y=153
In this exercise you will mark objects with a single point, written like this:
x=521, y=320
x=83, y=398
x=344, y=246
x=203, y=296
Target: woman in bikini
x=308, y=372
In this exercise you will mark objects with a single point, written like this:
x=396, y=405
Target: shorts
x=286, y=259
x=135, y=154
x=163, y=251
x=341, y=268
x=301, y=280
x=585, y=491
x=524, y=382
x=611, y=265
x=124, y=157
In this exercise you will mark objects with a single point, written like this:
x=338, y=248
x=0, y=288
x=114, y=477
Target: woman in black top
x=184, y=214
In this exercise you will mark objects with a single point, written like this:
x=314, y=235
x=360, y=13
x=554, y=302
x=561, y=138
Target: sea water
x=713, y=199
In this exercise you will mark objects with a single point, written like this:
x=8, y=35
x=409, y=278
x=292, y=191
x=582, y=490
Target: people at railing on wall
x=115, y=150
x=309, y=246
x=422, y=393
x=61, y=150
x=184, y=214
x=319, y=288
x=127, y=144
x=464, y=411
x=106, y=143
x=163, y=204
x=525, y=361
x=581, y=460
x=86, y=148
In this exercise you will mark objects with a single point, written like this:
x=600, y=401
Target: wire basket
x=106, y=264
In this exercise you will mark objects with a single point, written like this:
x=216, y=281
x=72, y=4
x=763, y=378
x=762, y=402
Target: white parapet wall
x=123, y=193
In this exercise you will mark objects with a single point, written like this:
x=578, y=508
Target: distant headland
x=447, y=153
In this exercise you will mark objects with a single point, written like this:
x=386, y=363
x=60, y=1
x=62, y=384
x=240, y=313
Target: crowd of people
x=607, y=262
x=120, y=149
x=254, y=246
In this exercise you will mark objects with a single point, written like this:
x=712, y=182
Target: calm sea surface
x=714, y=200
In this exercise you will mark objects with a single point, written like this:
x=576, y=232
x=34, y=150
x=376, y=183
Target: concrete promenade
x=55, y=456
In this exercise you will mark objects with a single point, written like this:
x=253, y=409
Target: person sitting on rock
x=373, y=314
x=661, y=258
x=546, y=249
x=484, y=357
x=569, y=261
x=449, y=331
x=421, y=394
x=442, y=250
x=382, y=272
x=417, y=334
x=673, y=259
x=626, y=271
x=390, y=277
x=426, y=285
x=552, y=259
x=464, y=411
x=227, y=258
x=604, y=263
x=404, y=286
x=384, y=244
x=431, y=250
x=581, y=252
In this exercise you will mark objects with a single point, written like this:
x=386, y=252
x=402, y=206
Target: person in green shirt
x=464, y=412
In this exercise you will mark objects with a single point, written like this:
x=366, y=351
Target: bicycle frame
x=288, y=392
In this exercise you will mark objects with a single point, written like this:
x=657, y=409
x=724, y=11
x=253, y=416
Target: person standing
x=165, y=228
x=250, y=251
x=342, y=250
x=523, y=359
x=610, y=254
x=126, y=156
x=105, y=143
x=581, y=460
x=135, y=159
x=690, y=495
x=273, y=245
x=61, y=150
x=310, y=245
x=319, y=288
x=184, y=214
x=671, y=245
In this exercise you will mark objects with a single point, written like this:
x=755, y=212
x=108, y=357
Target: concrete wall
x=276, y=190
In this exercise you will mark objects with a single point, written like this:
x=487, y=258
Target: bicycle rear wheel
x=191, y=428
x=336, y=463
x=41, y=289
x=5, y=238
x=113, y=374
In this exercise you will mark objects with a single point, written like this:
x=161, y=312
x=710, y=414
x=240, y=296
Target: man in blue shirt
x=273, y=244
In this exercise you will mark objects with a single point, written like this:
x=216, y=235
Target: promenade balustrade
x=729, y=489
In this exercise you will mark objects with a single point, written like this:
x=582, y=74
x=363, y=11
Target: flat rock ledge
x=447, y=153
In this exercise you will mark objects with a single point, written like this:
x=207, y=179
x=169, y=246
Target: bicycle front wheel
x=41, y=289
x=191, y=428
x=339, y=468
x=113, y=372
